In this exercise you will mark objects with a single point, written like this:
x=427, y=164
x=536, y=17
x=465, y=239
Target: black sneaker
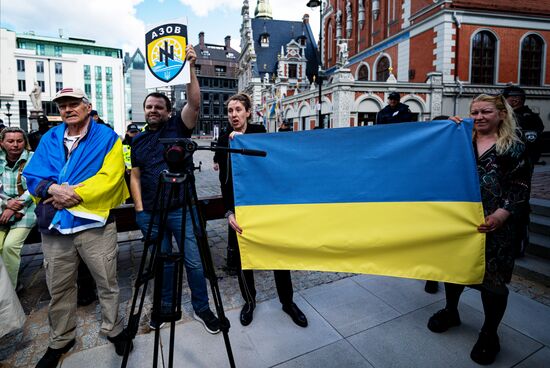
x=120, y=341
x=443, y=320
x=486, y=349
x=210, y=322
x=52, y=356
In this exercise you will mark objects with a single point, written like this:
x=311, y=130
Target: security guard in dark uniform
x=395, y=112
x=531, y=127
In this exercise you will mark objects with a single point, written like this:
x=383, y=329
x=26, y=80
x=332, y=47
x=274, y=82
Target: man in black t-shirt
x=148, y=162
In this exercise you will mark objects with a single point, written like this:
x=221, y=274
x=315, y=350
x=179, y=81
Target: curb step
x=533, y=268
x=540, y=206
x=539, y=245
x=540, y=224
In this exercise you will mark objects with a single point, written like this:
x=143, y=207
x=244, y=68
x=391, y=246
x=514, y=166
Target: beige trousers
x=98, y=249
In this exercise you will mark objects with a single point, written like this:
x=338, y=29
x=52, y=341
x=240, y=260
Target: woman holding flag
x=504, y=180
x=239, y=109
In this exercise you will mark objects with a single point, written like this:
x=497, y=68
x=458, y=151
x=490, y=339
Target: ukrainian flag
x=399, y=200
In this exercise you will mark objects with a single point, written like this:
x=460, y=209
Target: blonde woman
x=17, y=217
x=504, y=180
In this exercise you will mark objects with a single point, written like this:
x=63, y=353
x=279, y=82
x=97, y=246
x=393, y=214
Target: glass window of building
x=20, y=65
x=532, y=48
x=87, y=72
x=58, y=50
x=40, y=49
x=21, y=85
x=220, y=70
x=363, y=74
x=97, y=52
x=197, y=69
x=40, y=67
x=58, y=68
x=383, y=69
x=293, y=71
x=108, y=73
x=58, y=86
x=87, y=51
x=88, y=89
x=98, y=75
x=483, y=58
x=42, y=85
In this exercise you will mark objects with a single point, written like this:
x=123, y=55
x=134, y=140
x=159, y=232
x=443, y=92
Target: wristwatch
x=228, y=213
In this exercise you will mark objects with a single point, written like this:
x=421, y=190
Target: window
x=87, y=72
x=108, y=73
x=330, y=42
x=220, y=70
x=363, y=73
x=58, y=68
x=292, y=71
x=42, y=85
x=21, y=85
x=230, y=55
x=197, y=69
x=87, y=51
x=97, y=52
x=20, y=65
x=531, y=60
x=40, y=67
x=383, y=69
x=98, y=75
x=205, y=53
x=40, y=49
x=58, y=50
x=264, y=40
x=88, y=89
x=483, y=58
x=58, y=86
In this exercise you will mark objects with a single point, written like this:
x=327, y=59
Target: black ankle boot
x=486, y=348
x=247, y=313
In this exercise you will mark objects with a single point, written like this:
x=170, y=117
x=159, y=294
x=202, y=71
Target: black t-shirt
x=148, y=154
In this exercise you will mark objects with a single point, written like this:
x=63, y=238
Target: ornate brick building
x=437, y=54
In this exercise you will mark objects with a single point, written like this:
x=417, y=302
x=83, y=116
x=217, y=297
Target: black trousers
x=283, y=281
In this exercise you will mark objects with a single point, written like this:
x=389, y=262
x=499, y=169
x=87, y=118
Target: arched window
x=329, y=42
x=531, y=60
x=483, y=58
x=363, y=73
x=382, y=69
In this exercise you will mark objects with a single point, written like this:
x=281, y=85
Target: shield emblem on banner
x=166, y=55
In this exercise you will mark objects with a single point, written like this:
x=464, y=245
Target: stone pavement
x=23, y=348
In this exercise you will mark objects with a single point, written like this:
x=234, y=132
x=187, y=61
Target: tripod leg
x=199, y=230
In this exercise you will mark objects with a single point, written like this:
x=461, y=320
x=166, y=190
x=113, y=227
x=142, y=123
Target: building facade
x=54, y=63
x=216, y=69
x=437, y=54
x=134, y=87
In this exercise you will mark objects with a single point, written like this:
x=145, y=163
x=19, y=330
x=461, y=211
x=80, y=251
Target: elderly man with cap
x=394, y=112
x=531, y=128
x=77, y=176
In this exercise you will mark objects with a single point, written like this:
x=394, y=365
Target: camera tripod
x=175, y=179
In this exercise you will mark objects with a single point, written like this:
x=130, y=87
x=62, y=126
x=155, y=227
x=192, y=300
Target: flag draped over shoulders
x=96, y=163
x=399, y=200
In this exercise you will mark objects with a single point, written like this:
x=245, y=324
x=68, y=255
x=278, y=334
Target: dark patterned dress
x=504, y=183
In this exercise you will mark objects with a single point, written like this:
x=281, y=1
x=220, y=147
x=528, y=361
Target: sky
x=122, y=23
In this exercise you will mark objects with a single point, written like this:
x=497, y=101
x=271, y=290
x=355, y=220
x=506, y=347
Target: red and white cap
x=70, y=92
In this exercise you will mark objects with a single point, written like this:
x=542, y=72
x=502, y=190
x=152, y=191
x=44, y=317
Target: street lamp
x=8, y=106
x=314, y=4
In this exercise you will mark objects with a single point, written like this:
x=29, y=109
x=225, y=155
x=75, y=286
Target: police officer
x=36, y=135
x=529, y=123
x=395, y=111
x=531, y=127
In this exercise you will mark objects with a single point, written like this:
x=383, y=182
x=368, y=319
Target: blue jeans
x=192, y=259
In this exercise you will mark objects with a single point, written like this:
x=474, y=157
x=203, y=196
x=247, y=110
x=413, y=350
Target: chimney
x=227, y=42
x=201, y=40
x=305, y=18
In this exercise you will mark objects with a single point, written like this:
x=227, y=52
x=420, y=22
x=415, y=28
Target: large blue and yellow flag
x=400, y=200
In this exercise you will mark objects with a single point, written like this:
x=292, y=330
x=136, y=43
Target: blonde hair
x=15, y=130
x=506, y=134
